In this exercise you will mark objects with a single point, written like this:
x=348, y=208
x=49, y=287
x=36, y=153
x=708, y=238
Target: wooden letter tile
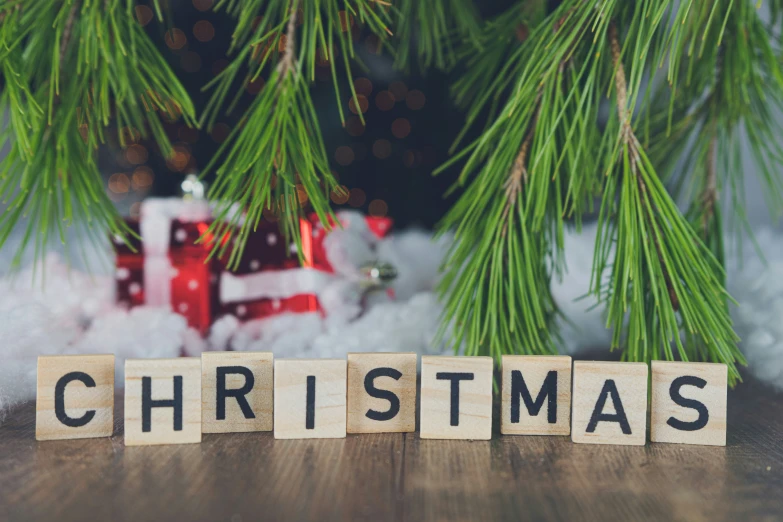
x=310, y=398
x=456, y=398
x=162, y=401
x=689, y=403
x=536, y=395
x=75, y=397
x=381, y=392
x=609, y=403
x=236, y=392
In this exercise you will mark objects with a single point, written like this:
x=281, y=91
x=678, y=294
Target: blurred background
x=386, y=164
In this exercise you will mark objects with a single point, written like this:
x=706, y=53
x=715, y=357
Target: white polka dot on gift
x=122, y=274
x=271, y=239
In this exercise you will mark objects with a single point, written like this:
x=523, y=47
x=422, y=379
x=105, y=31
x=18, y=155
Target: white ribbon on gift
x=273, y=284
x=156, y=217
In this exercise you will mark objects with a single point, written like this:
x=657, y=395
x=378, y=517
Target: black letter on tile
x=238, y=393
x=455, y=378
x=372, y=391
x=310, y=407
x=548, y=389
x=59, y=399
x=609, y=389
x=147, y=403
x=674, y=393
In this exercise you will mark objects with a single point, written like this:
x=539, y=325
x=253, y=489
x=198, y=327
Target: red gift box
x=195, y=281
x=129, y=268
x=267, y=281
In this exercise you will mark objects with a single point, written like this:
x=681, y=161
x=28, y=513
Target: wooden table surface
x=252, y=477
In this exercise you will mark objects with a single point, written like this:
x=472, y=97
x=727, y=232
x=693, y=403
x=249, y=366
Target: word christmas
x=172, y=401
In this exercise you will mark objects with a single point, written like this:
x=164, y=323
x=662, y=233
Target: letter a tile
x=456, y=397
x=310, y=398
x=162, y=401
x=75, y=397
x=689, y=403
x=609, y=403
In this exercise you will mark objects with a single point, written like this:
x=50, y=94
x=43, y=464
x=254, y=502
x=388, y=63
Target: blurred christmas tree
x=638, y=105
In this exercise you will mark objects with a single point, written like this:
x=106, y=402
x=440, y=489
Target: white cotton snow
x=757, y=286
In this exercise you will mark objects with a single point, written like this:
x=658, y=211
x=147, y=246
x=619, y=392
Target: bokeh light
x=378, y=208
x=363, y=86
x=344, y=155
x=119, y=183
x=176, y=39
x=400, y=128
x=357, y=197
x=136, y=154
x=180, y=159
x=340, y=195
x=354, y=126
x=384, y=100
x=142, y=178
x=220, y=132
x=203, y=5
x=143, y=14
x=255, y=86
x=363, y=103
x=204, y=31
x=381, y=149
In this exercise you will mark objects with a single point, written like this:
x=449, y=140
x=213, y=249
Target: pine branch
x=527, y=177
x=275, y=163
x=662, y=277
x=429, y=31
x=61, y=98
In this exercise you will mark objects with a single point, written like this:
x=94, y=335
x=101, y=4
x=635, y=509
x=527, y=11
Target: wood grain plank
x=397, y=477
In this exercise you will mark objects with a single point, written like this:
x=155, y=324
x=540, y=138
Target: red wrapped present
x=195, y=281
x=269, y=279
x=129, y=268
x=172, y=268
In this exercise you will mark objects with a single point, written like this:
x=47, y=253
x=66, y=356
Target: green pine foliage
x=603, y=107
x=72, y=68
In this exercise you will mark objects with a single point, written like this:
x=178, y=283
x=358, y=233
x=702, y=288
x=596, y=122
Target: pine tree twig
x=632, y=145
x=709, y=197
x=288, y=61
x=68, y=31
x=518, y=176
